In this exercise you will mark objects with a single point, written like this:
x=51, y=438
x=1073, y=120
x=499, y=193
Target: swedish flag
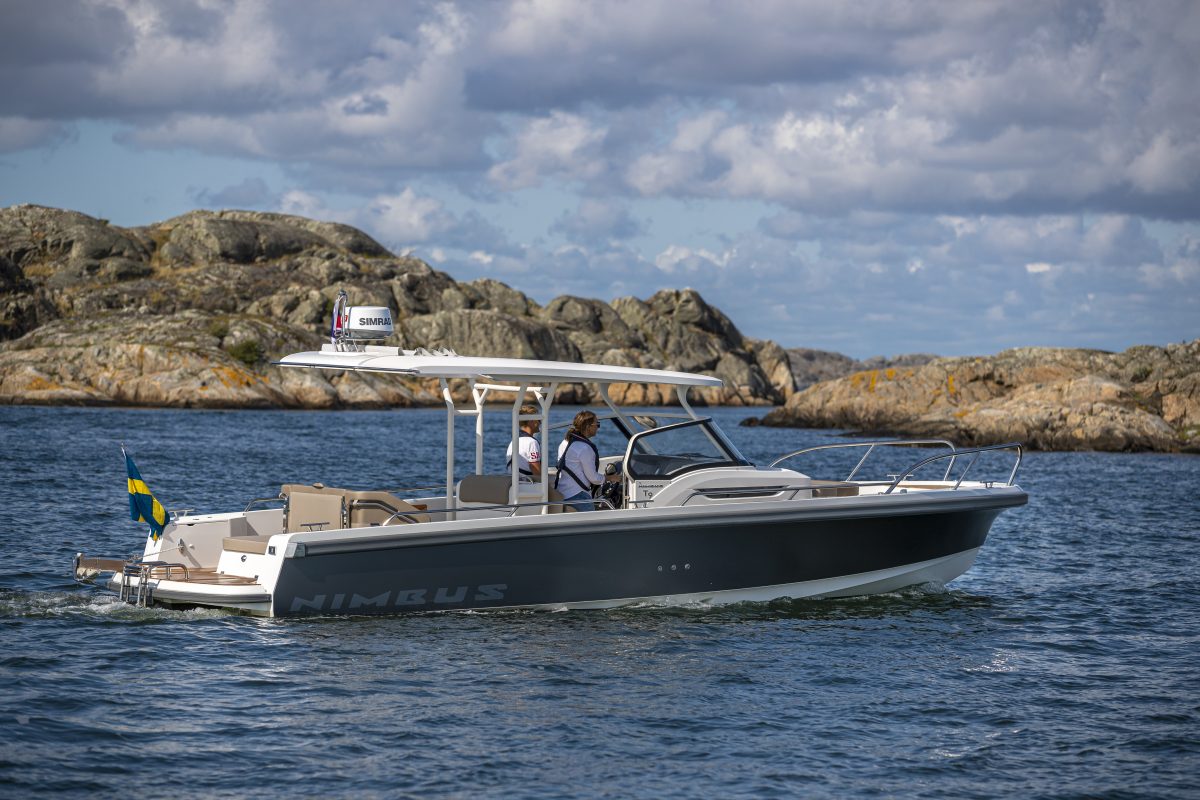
x=143, y=507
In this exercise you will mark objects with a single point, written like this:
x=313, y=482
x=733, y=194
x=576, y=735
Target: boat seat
x=376, y=508
x=246, y=544
x=363, y=508
x=313, y=488
x=492, y=490
x=314, y=511
x=489, y=489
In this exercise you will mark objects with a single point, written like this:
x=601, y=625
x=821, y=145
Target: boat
x=686, y=519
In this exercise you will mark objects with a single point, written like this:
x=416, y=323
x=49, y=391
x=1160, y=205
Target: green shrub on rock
x=248, y=351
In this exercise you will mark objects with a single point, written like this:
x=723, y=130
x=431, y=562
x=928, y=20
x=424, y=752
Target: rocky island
x=191, y=311
x=1146, y=398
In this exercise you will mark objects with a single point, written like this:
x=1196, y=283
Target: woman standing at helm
x=579, y=463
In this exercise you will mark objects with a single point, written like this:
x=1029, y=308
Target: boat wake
x=25, y=604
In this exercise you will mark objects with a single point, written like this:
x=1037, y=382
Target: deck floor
x=212, y=577
x=206, y=575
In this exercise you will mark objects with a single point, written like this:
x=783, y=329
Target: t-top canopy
x=506, y=370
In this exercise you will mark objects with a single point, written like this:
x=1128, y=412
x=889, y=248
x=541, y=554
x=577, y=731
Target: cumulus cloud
x=306, y=204
x=598, y=220
x=681, y=162
x=257, y=80
x=986, y=282
x=908, y=107
x=408, y=218
x=410, y=221
x=677, y=258
x=564, y=146
x=1180, y=271
x=911, y=164
x=1166, y=165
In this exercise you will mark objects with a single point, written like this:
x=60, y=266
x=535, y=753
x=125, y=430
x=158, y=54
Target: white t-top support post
x=514, y=490
x=682, y=393
x=450, y=415
x=603, y=387
x=480, y=395
x=545, y=400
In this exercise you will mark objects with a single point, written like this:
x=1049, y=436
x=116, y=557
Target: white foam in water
x=1002, y=661
x=34, y=604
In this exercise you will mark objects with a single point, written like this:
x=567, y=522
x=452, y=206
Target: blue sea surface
x=1065, y=663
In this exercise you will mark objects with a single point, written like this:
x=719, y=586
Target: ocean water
x=1065, y=663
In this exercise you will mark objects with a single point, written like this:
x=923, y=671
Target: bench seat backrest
x=315, y=511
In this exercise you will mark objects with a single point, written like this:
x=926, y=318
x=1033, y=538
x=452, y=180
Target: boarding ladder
x=141, y=594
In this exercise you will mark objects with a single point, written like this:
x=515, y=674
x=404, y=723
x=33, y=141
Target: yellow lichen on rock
x=39, y=384
x=229, y=376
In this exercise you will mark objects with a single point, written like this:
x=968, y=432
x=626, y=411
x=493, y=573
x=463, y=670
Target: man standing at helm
x=529, y=451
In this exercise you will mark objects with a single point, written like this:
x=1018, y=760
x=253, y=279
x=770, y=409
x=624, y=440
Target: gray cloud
x=20, y=133
x=991, y=108
x=250, y=193
x=597, y=221
x=985, y=166
x=73, y=32
x=551, y=56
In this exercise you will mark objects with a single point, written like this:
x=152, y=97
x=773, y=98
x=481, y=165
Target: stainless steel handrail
x=870, y=449
x=514, y=506
x=259, y=500
x=168, y=567
x=408, y=515
x=968, y=451
x=283, y=498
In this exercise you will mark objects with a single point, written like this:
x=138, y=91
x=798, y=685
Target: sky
x=872, y=178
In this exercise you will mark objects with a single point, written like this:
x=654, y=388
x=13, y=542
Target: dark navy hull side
x=624, y=559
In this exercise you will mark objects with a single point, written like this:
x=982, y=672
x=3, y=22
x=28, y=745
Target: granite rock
x=812, y=366
x=190, y=312
x=1146, y=398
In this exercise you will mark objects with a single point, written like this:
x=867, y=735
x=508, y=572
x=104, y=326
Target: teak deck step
x=211, y=576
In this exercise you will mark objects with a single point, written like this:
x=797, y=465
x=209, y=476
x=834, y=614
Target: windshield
x=671, y=450
x=632, y=422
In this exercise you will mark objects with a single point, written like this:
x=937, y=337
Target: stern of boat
x=201, y=560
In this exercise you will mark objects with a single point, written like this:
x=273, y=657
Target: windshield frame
x=715, y=436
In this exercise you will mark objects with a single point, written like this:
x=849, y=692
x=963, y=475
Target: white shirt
x=582, y=461
x=529, y=451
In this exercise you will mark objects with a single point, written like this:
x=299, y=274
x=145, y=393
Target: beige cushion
x=246, y=544
x=376, y=508
x=311, y=511
x=311, y=488
x=489, y=489
x=365, y=508
x=493, y=490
